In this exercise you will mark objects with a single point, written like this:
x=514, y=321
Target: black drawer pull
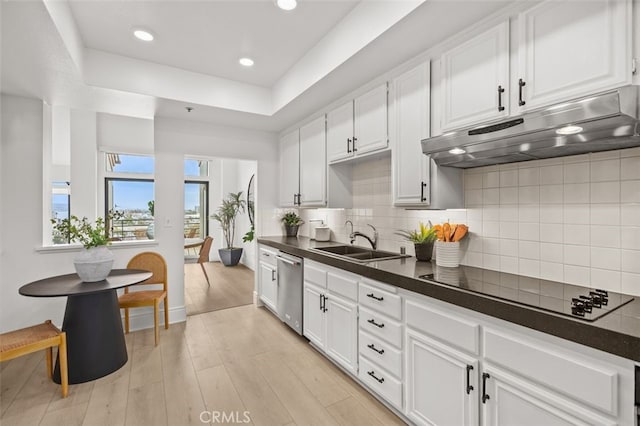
x=521, y=84
x=354, y=144
x=469, y=386
x=373, y=348
x=373, y=374
x=500, y=92
x=485, y=396
x=348, y=146
x=372, y=321
x=379, y=299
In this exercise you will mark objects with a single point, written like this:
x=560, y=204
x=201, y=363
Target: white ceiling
x=45, y=54
x=209, y=37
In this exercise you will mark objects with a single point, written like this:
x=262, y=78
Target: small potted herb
x=292, y=223
x=95, y=261
x=423, y=240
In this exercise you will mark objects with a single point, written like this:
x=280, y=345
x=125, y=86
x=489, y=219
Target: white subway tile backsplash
x=551, y=194
x=529, y=231
x=491, y=229
x=576, y=214
x=491, y=245
x=509, y=213
x=605, y=258
x=630, y=152
x=630, y=283
x=529, y=195
x=529, y=213
x=551, y=175
x=576, y=255
x=529, y=250
x=551, y=252
x=491, y=213
x=473, y=197
x=508, y=247
x=605, y=170
x=606, y=279
x=509, y=264
x=471, y=181
x=630, y=191
x=630, y=237
x=508, y=230
x=631, y=261
x=552, y=233
x=578, y=275
x=529, y=176
x=509, y=195
x=576, y=173
x=576, y=193
x=552, y=271
x=491, y=196
x=508, y=178
x=576, y=234
x=552, y=213
x=491, y=180
x=630, y=214
x=605, y=192
x=605, y=236
x=605, y=155
x=530, y=268
x=491, y=261
x=630, y=168
x=605, y=214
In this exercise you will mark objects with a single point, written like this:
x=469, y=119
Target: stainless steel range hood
x=601, y=122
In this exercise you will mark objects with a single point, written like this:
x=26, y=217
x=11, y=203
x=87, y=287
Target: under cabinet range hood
x=600, y=122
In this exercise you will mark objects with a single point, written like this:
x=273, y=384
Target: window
x=60, y=207
x=134, y=199
x=124, y=163
x=198, y=168
x=196, y=209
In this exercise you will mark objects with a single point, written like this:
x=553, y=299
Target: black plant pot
x=230, y=257
x=424, y=251
x=291, y=230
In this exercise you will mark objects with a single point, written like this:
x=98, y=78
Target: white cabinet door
x=313, y=314
x=513, y=401
x=340, y=132
x=370, y=122
x=409, y=124
x=567, y=50
x=473, y=77
x=313, y=163
x=268, y=285
x=289, y=169
x=342, y=332
x=442, y=383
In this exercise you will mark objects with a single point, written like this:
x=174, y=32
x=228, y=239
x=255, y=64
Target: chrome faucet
x=373, y=242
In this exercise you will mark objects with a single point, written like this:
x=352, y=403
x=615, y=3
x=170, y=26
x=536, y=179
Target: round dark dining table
x=95, y=340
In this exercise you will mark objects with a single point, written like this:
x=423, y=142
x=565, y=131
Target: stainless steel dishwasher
x=290, y=290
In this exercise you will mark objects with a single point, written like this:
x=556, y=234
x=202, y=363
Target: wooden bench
x=32, y=339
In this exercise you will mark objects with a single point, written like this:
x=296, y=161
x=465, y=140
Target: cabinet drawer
x=381, y=353
x=343, y=284
x=315, y=275
x=380, y=300
x=268, y=256
x=444, y=326
x=381, y=326
x=384, y=384
x=567, y=373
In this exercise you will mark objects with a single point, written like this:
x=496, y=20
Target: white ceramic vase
x=93, y=264
x=447, y=254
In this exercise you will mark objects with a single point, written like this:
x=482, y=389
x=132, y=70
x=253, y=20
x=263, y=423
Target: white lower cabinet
x=331, y=319
x=268, y=278
x=442, y=383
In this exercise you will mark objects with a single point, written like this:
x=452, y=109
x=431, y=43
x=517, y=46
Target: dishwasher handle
x=289, y=261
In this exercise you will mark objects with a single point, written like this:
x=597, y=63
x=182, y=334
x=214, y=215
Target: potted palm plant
x=95, y=260
x=291, y=223
x=423, y=240
x=226, y=215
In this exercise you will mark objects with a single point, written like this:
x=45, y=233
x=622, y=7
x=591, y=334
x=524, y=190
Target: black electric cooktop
x=575, y=301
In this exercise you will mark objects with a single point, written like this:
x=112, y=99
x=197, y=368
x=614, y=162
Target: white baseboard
x=142, y=318
x=256, y=299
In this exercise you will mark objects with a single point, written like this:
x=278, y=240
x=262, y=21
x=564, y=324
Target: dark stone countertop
x=617, y=333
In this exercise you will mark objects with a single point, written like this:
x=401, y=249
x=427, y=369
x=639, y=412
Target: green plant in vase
x=423, y=240
x=291, y=222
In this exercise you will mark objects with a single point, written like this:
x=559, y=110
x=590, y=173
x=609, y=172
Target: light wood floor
x=233, y=360
x=230, y=287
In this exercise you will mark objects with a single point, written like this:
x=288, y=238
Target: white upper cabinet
x=409, y=124
x=340, y=132
x=475, y=79
x=289, y=169
x=359, y=126
x=370, y=125
x=567, y=50
x=313, y=164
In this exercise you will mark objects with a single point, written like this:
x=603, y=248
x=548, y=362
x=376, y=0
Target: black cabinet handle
x=469, y=386
x=273, y=275
x=372, y=321
x=348, y=146
x=500, y=92
x=379, y=299
x=373, y=348
x=485, y=376
x=321, y=302
x=521, y=84
x=354, y=144
x=299, y=199
x=423, y=185
x=324, y=304
x=373, y=374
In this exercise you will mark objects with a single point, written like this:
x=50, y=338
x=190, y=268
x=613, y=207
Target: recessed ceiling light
x=457, y=151
x=286, y=4
x=569, y=130
x=246, y=62
x=143, y=35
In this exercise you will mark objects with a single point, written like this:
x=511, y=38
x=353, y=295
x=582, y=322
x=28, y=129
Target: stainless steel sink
x=358, y=254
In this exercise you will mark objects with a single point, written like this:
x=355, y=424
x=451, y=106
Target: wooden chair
x=204, y=256
x=155, y=263
x=32, y=339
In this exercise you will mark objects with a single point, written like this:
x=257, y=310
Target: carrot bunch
x=451, y=232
